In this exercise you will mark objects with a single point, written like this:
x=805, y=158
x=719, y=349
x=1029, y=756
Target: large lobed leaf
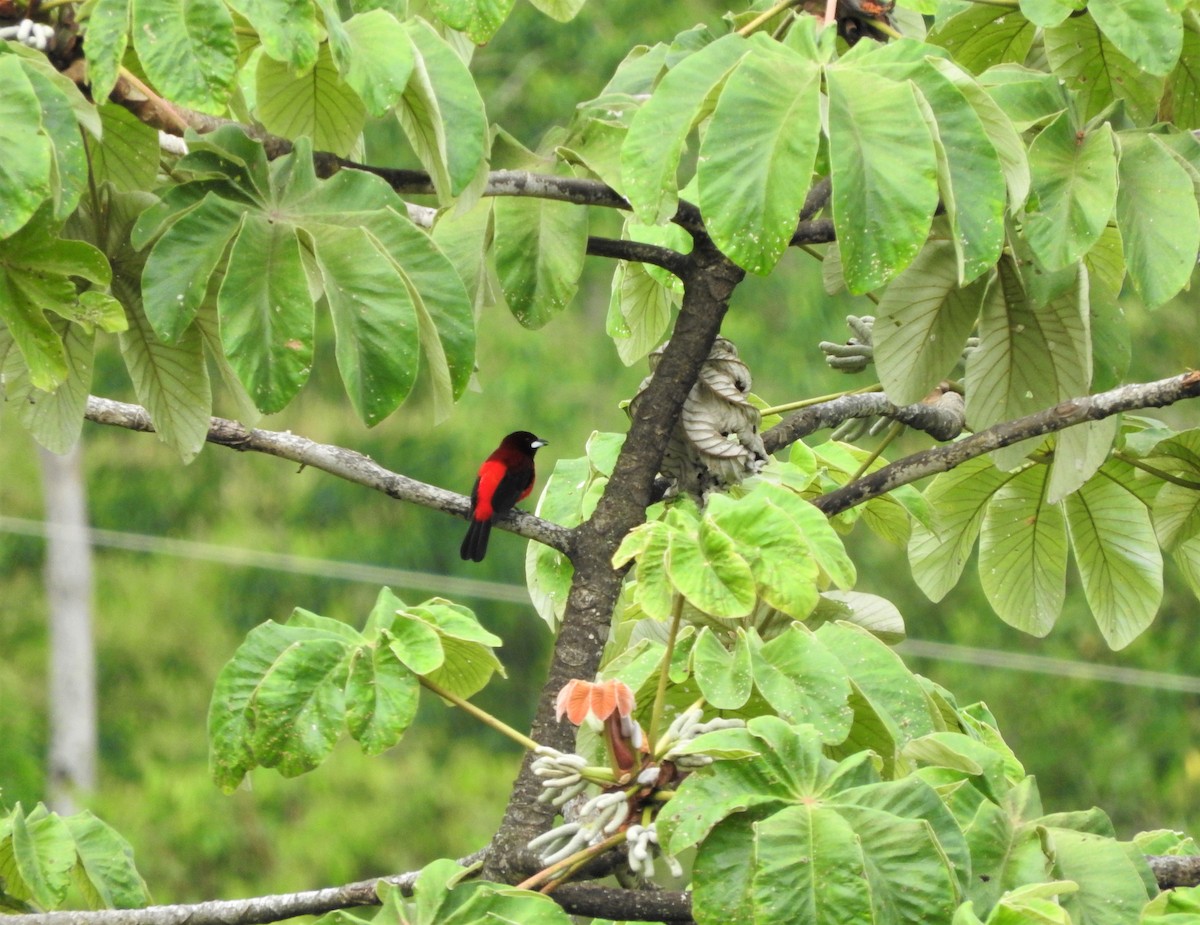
x=292, y=689
x=277, y=239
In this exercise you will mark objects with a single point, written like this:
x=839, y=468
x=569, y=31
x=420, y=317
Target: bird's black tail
x=474, y=546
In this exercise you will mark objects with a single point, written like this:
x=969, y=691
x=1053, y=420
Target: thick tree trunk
x=72, y=754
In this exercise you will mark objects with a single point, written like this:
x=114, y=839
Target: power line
x=1044, y=664
x=282, y=562
x=496, y=591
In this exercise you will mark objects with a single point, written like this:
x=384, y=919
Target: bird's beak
x=537, y=444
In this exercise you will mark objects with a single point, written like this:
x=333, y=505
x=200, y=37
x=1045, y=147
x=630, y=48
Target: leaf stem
x=480, y=714
x=660, y=695
x=1156, y=472
x=893, y=432
x=763, y=17
x=819, y=400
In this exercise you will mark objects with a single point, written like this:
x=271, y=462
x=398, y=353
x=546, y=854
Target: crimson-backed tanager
x=504, y=479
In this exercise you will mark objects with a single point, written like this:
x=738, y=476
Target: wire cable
x=282, y=562
x=517, y=594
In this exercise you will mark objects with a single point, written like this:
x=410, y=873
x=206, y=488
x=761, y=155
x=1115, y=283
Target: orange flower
x=593, y=703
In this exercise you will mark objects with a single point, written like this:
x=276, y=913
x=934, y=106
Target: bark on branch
x=942, y=419
x=1065, y=414
x=336, y=460
x=1169, y=871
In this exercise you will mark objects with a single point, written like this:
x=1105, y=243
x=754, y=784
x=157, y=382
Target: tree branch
x=1064, y=414
x=590, y=899
x=942, y=419
x=664, y=257
x=347, y=464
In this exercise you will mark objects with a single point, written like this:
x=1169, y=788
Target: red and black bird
x=504, y=479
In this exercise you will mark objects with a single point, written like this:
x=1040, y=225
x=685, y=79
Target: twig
x=942, y=420
x=479, y=713
x=336, y=460
x=1063, y=415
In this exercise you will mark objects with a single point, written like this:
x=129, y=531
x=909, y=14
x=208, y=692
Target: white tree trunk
x=72, y=756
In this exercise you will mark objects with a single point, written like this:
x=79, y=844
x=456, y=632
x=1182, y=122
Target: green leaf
x=42, y=855
x=560, y=10
x=1023, y=553
x=127, y=153
x=639, y=311
x=170, y=380
x=804, y=682
x=1090, y=64
x=1075, y=184
x=288, y=30
x=36, y=267
x=230, y=719
x=809, y=864
x=651, y=151
x=322, y=106
x=55, y=419
x=469, y=662
x=922, y=324
x=1118, y=557
x=1149, y=34
x=299, y=707
x=59, y=106
x=723, y=872
x=1078, y=452
x=266, y=312
x=441, y=102
x=1158, y=218
x=480, y=19
x=417, y=644
x=445, y=316
x=375, y=59
x=881, y=676
x=1176, y=514
x=1110, y=877
x=1181, y=99
x=107, y=39
x=723, y=676
x=708, y=570
x=188, y=50
x=25, y=179
x=106, y=860
x=1047, y=13
x=756, y=159
x=982, y=36
x=776, y=548
x=970, y=176
x=374, y=320
x=547, y=571
x=824, y=543
x=182, y=263
x=788, y=765
x=1026, y=97
x=539, y=251
x=877, y=615
x=381, y=697
x=884, y=173
x=1028, y=358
